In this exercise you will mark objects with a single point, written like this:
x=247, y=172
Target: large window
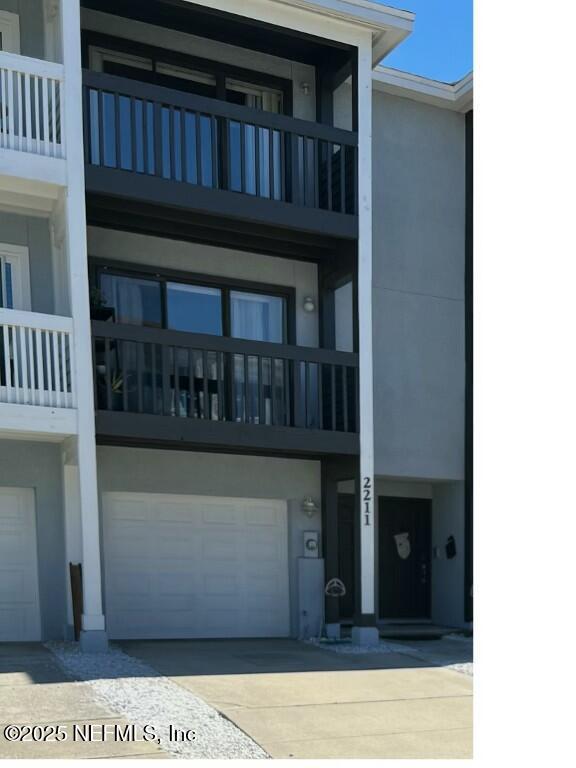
x=193, y=307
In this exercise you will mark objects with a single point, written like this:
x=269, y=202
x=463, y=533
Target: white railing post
x=93, y=636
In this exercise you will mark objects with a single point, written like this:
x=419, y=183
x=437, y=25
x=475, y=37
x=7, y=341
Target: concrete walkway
x=35, y=691
x=301, y=701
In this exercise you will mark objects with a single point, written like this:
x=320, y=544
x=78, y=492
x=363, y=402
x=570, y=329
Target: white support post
x=365, y=631
x=72, y=522
x=93, y=636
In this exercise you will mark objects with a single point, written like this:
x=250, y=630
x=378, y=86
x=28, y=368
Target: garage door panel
x=19, y=598
x=213, y=568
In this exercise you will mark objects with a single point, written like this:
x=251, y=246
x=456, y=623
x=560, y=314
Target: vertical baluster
x=28, y=111
x=108, y=368
x=296, y=394
x=10, y=107
x=342, y=178
x=153, y=348
x=56, y=359
x=117, y=131
x=283, y=171
x=345, y=396
x=272, y=390
x=59, y=103
x=316, y=165
x=23, y=356
x=100, y=118
x=36, y=81
x=45, y=117
x=17, y=354
x=31, y=364
x=49, y=367
x=215, y=150
x=199, y=173
x=64, y=358
x=145, y=148
x=206, y=409
x=257, y=134
x=243, y=157
x=191, y=383
x=7, y=366
x=171, y=143
x=246, y=398
x=306, y=393
x=220, y=378
x=184, y=149
x=261, y=410
x=19, y=86
x=176, y=372
x=3, y=108
x=133, y=134
x=157, y=133
x=123, y=349
x=286, y=387
x=53, y=114
x=271, y=165
x=40, y=363
x=139, y=381
x=329, y=156
x=333, y=388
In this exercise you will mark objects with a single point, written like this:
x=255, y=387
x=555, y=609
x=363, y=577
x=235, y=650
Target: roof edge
x=456, y=96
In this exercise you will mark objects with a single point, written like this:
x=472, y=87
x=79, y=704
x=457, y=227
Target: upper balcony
x=156, y=145
x=219, y=128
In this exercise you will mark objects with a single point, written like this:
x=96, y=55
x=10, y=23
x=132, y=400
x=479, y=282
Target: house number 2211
x=367, y=500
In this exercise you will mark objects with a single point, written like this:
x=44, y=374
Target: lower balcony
x=37, y=388
x=155, y=386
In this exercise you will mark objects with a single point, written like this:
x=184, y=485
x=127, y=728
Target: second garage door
x=195, y=566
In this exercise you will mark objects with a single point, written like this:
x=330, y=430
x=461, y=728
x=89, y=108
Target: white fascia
x=456, y=96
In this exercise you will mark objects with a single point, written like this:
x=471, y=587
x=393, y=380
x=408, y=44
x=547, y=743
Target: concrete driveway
x=35, y=691
x=300, y=701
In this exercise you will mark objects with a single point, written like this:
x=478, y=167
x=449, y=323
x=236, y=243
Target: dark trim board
x=126, y=185
x=197, y=434
x=179, y=224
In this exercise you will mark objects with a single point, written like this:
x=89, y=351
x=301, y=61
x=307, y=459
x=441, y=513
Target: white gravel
x=134, y=690
x=348, y=647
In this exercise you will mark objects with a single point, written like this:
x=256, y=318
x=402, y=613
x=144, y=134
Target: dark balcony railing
x=191, y=376
x=147, y=129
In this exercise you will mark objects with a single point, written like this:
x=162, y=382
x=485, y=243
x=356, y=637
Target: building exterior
x=234, y=322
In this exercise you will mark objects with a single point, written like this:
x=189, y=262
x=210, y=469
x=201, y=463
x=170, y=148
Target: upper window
x=133, y=300
x=194, y=308
x=14, y=277
x=257, y=317
x=181, y=78
x=190, y=307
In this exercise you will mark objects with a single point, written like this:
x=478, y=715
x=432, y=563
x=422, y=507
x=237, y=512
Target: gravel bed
x=134, y=690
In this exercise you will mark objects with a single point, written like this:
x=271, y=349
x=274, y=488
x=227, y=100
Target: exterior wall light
x=309, y=304
x=305, y=88
x=309, y=506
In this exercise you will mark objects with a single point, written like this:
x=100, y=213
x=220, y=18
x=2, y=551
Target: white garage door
x=19, y=602
x=195, y=566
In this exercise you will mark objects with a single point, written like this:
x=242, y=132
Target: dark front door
x=404, y=557
x=346, y=552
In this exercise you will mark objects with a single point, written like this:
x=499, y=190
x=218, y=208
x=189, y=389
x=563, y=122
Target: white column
x=365, y=631
x=72, y=520
x=93, y=635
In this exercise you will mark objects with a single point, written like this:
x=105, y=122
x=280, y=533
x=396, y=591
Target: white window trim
x=18, y=258
x=10, y=28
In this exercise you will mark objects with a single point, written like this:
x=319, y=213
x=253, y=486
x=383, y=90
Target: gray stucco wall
x=208, y=260
x=38, y=465
x=418, y=289
x=448, y=575
x=209, y=474
x=33, y=232
x=31, y=25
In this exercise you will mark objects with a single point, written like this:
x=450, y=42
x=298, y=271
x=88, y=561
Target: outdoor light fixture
x=305, y=88
x=309, y=304
x=309, y=506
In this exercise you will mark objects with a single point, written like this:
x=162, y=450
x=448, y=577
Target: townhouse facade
x=235, y=323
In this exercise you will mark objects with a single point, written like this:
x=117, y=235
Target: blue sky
x=440, y=45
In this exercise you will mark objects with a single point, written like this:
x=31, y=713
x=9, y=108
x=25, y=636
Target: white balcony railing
x=36, y=359
x=31, y=96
